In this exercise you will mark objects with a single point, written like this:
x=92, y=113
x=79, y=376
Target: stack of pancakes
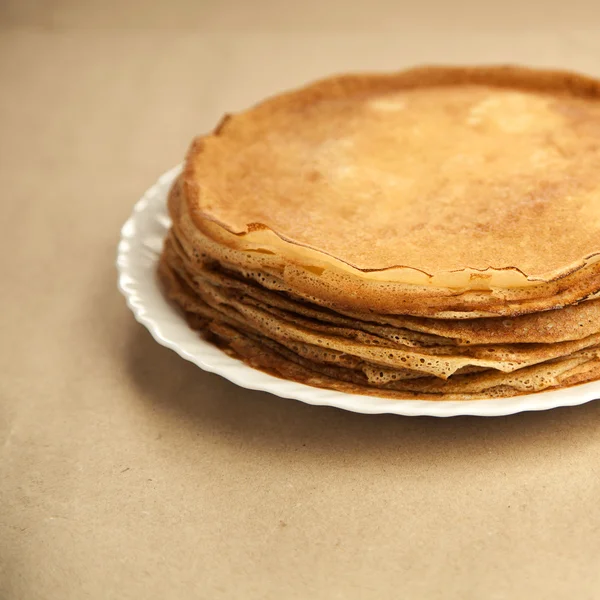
x=430, y=234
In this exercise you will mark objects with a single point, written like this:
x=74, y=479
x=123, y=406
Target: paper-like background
x=126, y=472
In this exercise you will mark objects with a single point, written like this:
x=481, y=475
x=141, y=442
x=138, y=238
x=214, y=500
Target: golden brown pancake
x=432, y=233
x=436, y=170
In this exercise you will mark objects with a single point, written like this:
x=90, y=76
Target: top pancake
x=459, y=178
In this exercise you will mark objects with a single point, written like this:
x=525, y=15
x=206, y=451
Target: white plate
x=141, y=242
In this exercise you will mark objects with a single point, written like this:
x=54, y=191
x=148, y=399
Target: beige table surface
x=126, y=472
